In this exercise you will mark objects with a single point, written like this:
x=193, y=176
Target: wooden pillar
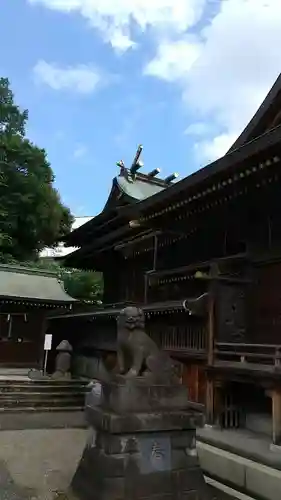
x=276, y=416
x=218, y=401
x=210, y=402
x=210, y=382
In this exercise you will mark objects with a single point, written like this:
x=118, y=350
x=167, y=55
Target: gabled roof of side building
x=25, y=285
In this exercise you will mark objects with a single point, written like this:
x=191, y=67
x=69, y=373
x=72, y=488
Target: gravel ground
x=39, y=464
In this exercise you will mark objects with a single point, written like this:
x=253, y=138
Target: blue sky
x=101, y=76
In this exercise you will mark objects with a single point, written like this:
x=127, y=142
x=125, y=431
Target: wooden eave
x=32, y=303
x=72, y=239
x=112, y=237
x=143, y=243
x=101, y=223
x=166, y=307
x=96, y=228
x=237, y=167
x=189, y=271
x=264, y=118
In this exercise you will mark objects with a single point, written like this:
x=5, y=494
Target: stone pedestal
x=141, y=445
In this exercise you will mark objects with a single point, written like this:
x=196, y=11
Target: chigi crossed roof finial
x=121, y=164
x=137, y=164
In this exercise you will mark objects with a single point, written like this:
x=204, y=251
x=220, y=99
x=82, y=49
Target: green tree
x=32, y=215
x=82, y=285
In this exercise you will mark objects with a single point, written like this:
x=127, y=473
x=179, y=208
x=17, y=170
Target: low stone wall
x=85, y=366
x=249, y=477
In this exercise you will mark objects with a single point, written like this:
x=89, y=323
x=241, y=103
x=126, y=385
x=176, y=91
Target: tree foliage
x=32, y=215
x=82, y=285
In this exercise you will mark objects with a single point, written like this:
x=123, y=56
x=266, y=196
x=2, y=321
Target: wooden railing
x=179, y=340
x=268, y=354
x=231, y=416
x=185, y=339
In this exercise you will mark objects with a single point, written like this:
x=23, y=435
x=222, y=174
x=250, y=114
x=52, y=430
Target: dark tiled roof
x=31, y=285
x=263, y=118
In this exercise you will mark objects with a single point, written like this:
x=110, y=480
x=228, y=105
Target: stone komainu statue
x=63, y=360
x=137, y=354
x=62, y=364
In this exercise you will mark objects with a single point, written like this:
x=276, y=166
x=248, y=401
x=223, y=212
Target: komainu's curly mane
x=131, y=318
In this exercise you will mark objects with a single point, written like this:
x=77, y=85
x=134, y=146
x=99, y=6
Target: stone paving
x=39, y=464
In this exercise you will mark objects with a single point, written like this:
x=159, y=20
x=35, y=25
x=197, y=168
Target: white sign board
x=48, y=342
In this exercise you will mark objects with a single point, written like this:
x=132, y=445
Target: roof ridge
x=27, y=270
x=83, y=216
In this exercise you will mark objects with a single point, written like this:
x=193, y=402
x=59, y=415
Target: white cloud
x=81, y=78
x=80, y=151
x=174, y=60
x=225, y=72
x=208, y=150
x=198, y=129
x=116, y=19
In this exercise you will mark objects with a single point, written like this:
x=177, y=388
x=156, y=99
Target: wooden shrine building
x=202, y=256
x=26, y=296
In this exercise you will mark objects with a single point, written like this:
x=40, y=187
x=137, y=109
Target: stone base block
x=132, y=396
x=143, y=446
x=140, y=466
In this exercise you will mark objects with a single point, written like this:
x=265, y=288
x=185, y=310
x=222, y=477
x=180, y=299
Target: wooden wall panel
x=194, y=379
x=24, y=345
x=231, y=313
x=266, y=305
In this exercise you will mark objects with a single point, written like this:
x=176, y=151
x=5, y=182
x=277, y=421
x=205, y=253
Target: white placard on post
x=47, y=348
x=48, y=342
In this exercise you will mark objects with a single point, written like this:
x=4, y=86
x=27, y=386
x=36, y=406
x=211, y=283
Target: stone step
x=41, y=387
x=31, y=409
x=44, y=402
x=40, y=395
x=27, y=380
x=14, y=371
